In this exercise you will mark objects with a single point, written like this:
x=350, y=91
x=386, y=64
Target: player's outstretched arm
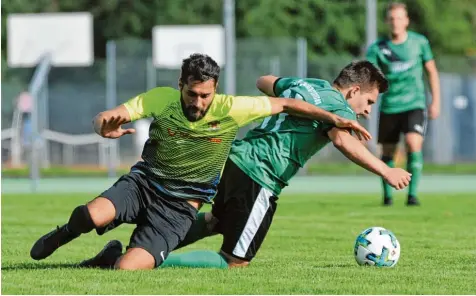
x=108, y=124
x=355, y=151
x=306, y=110
x=266, y=84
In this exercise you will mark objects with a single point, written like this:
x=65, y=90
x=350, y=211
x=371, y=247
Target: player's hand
x=355, y=126
x=434, y=111
x=111, y=128
x=397, y=178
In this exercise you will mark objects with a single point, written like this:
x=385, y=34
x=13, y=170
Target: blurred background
x=104, y=52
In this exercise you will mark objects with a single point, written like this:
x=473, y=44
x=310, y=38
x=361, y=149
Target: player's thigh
x=245, y=228
x=224, y=191
x=414, y=129
x=245, y=215
x=147, y=247
x=126, y=199
x=389, y=129
x=234, y=182
x=162, y=226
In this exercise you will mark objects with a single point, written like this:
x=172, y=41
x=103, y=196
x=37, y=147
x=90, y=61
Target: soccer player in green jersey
x=261, y=165
x=402, y=57
x=189, y=142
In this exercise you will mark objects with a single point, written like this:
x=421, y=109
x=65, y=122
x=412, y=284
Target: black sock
x=80, y=221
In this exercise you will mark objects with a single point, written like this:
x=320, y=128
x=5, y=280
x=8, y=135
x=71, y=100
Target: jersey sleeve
x=245, y=110
x=372, y=54
x=151, y=103
x=283, y=83
x=426, y=53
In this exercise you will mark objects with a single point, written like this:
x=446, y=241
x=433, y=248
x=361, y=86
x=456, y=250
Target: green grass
x=309, y=250
x=349, y=168
x=316, y=168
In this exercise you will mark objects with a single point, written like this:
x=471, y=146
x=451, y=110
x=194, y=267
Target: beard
x=192, y=113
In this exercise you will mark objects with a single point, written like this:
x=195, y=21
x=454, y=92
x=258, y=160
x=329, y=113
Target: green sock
x=197, y=231
x=387, y=189
x=196, y=259
x=414, y=167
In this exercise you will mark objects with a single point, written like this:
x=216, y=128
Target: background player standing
x=402, y=57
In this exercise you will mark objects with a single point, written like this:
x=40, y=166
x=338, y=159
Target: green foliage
x=449, y=25
x=331, y=27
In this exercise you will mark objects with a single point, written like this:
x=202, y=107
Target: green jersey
x=402, y=64
x=185, y=159
x=272, y=153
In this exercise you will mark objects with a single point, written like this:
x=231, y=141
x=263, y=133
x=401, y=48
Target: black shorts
x=162, y=221
x=392, y=125
x=244, y=210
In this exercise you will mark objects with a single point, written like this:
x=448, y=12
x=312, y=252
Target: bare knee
x=126, y=265
x=414, y=142
x=135, y=259
x=102, y=211
x=233, y=261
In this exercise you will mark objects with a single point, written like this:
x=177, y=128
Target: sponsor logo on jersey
x=214, y=126
x=386, y=52
x=398, y=67
x=185, y=136
x=311, y=90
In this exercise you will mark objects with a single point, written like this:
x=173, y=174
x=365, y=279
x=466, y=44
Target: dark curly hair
x=199, y=67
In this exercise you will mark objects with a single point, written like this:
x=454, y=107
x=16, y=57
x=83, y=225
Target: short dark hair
x=199, y=67
x=364, y=74
x=394, y=5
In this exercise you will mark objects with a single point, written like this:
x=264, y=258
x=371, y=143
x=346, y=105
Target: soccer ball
x=377, y=246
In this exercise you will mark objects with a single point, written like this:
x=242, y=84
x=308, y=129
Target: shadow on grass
x=38, y=266
x=338, y=265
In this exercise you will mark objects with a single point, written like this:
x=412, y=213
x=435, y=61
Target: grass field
x=313, y=168
x=309, y=250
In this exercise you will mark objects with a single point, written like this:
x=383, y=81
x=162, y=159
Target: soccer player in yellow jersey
x=182, y=161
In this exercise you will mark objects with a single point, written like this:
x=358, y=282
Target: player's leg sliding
x=414, y=167
x=106, y=258
x=196, y=259
x=80, y=222
x=387, y=189
x=202, y=227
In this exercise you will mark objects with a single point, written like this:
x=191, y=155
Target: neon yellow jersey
x=185, y=159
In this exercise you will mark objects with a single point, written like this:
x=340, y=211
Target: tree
x=331, y=27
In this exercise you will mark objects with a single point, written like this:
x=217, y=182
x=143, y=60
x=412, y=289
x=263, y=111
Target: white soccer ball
x=377, y=246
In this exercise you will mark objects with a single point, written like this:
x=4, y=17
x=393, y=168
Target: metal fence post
x=151, y=74
x=275, y=66
x=230, y=46
x=111, y=102
x=302, y=57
